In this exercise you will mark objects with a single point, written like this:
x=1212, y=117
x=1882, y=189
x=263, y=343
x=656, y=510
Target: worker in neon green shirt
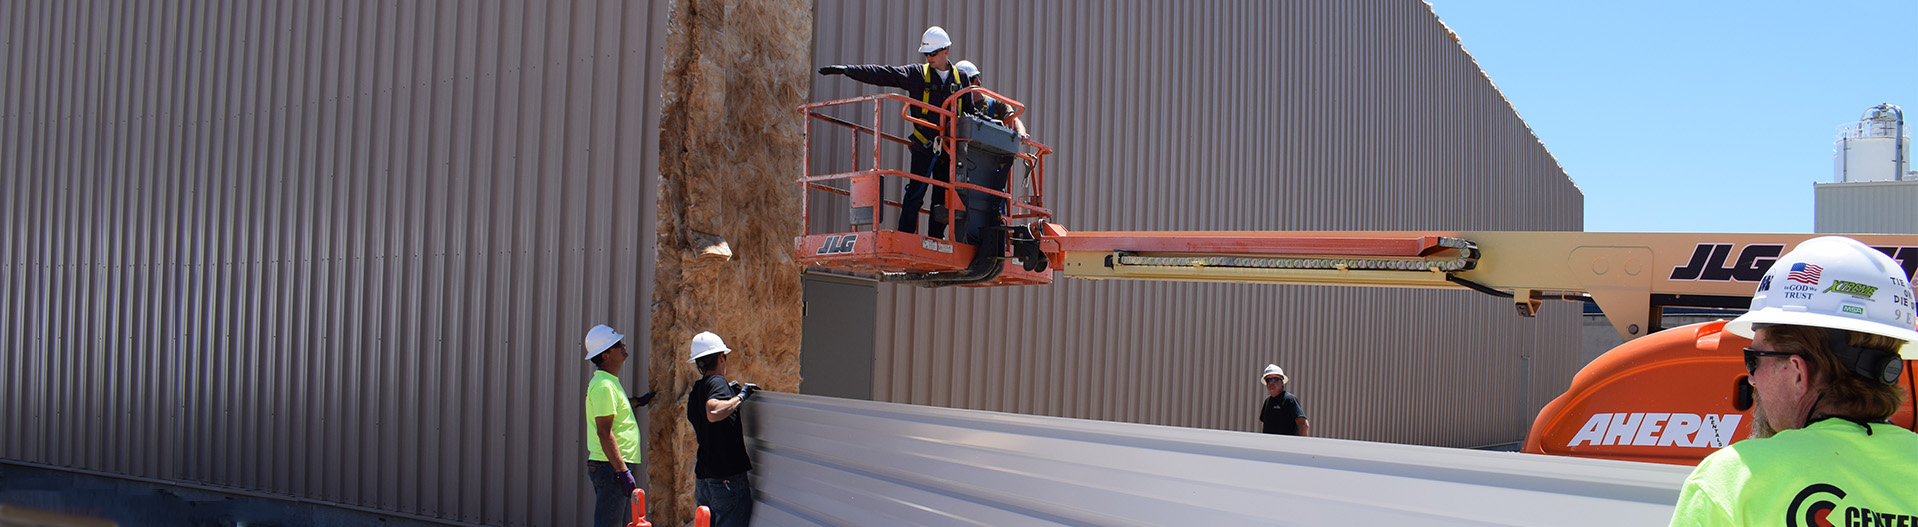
x=1828, y=325
x=612, y=434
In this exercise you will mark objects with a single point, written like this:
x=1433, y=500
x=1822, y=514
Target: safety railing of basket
x=1026, y=206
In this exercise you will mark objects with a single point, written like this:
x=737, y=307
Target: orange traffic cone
x=639, y=510
x=703, y=517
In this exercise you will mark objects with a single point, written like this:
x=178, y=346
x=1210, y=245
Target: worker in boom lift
x=930, y=82
x=1281, y=412
x=978, y=103
x=612, y=434
x=984, y=211
x=1828, y=325
x=721, y=464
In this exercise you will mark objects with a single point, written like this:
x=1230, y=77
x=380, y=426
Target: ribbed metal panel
x=1881, y=207
x=1363, y=115
x=339, y=250
x=830, y=462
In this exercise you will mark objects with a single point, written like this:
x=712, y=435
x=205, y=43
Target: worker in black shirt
x=1281, y=413
x=712, y=407
x=984, y=212
x=930, y=82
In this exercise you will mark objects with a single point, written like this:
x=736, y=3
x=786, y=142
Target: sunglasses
x=1752, y=355
x=1270, y=380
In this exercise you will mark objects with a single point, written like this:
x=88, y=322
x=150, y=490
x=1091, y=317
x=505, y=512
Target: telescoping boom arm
x=1629, y=275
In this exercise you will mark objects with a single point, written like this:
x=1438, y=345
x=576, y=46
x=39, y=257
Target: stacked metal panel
x=825, y=461
x=1364, y=115
x=337, y=250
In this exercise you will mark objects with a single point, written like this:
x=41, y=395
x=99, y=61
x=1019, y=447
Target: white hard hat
x=1838, y=283
x=935, y=39
x=966, y=69
x=706, y=343
x=1273, y=369
x=599, y=339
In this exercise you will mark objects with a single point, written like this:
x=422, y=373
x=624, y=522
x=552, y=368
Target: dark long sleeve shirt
x=921, y=82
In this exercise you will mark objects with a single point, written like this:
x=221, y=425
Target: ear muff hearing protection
x=1872, y=364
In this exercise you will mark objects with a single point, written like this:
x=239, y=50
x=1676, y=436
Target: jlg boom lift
x=1666, y=396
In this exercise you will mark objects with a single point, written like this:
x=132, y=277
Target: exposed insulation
x=730, y=148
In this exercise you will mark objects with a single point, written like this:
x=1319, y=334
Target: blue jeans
x=730, y=498
x=612, y=505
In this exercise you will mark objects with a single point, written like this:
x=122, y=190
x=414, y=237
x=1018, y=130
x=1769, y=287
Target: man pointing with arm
x=930, y=82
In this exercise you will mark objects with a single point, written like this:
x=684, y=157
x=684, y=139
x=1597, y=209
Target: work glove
x=745, y=390
x=832, y=70
x=643, y=399
x=626, y=483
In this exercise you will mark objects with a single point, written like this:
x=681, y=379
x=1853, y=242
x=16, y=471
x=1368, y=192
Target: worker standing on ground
x=1828, y=324
x=984, y=212
x=1281, y=413
x=713, y=409
x=612, y=434
x=930, y=82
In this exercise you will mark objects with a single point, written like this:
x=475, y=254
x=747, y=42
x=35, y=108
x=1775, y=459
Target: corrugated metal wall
x=341, y=250
x=1882, y=207
x=1362, y=115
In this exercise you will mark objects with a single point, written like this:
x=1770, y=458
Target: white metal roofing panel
x=827, y=461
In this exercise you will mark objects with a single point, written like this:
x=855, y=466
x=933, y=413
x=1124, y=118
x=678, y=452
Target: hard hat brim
x=617, y=338
x=1743, y=326
x=931, y=49
x=710, y=352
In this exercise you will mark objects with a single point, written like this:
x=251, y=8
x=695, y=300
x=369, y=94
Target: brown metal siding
x=339, y=250
x=1233, y=116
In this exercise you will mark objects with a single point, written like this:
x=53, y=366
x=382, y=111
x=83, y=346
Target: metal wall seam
x=13, y=211
x=63, y=262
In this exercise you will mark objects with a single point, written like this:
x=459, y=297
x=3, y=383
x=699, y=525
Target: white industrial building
x=1873, y=189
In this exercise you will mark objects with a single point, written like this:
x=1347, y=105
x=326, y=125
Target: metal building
x=1248, y=116
x=337, y=250
x=343, y=250
x=1877, y=207
x=1871, y=190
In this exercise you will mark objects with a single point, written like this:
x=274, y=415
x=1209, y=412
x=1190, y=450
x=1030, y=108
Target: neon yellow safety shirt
x=1829, y=473
x=604, y=396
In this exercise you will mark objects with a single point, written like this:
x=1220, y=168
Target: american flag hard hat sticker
x=1804, y=273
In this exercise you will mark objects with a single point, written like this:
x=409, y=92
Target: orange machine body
x=1665, y=398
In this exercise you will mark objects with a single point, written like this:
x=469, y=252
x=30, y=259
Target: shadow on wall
x=132, y=503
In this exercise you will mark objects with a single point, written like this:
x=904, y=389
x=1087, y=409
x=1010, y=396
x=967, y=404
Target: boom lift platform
x=896, y=256
x=1650, y=386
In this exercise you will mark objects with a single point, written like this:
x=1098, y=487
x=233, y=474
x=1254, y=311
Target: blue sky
x=1694, y=116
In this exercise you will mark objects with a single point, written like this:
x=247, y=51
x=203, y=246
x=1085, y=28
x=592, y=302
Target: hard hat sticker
x=1805, y=273
x=1852, y=288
